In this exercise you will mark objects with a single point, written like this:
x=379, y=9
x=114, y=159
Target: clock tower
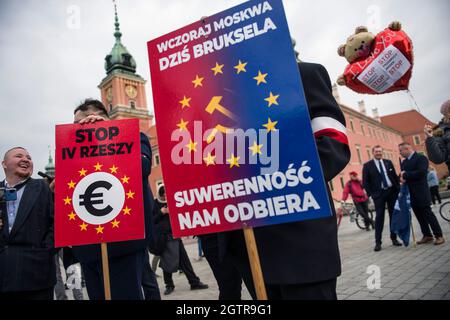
x=122, y=90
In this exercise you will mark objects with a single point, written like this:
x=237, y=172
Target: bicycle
x=350, y=210
x=444, y=211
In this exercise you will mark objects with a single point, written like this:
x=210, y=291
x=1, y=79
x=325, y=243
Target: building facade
x=411, y=124
x=364, y=133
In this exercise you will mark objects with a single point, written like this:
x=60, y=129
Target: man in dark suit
x=414, y=174
x=126, y=259
x=300, y=260
x=382, y=184
x=27, y=263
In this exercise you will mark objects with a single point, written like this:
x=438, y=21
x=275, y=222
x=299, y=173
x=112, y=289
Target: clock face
x=109, y=94
x=131, y=91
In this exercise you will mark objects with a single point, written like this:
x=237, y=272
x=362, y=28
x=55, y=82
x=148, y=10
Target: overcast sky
x=52, y=53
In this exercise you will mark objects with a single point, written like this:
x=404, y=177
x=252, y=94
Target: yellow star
x=256, y=148
x=217, y=69
x=233, y=161
x=183, y=125
x=82, y=172
x=198, y=82
x=210, y=160
x=125, y=179
x=83, y=227
x=241, y=67
x=185, y=102
x=192, y=146
x=126, y=211
x=67, y=200
x=72, y=216
x=272, y=99
x=71, y=184
x=98, y=167
x=260, y=78
x=130, y=195
x=113, y=169
x=270, y=125
x=99, y=229
x=115, y=223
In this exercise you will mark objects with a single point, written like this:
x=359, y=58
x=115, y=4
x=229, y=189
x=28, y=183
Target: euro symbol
x=214, y=105
x=88, y=199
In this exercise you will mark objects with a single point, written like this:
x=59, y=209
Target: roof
x=407, y=122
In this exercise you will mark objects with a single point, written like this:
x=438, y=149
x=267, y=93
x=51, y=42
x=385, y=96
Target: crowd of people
x=292, y=267
x=382, y=183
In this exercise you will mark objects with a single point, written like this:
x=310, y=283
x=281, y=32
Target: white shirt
x=377, y=163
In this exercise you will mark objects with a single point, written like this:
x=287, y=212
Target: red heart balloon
x=387, y=69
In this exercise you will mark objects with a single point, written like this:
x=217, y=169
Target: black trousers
x=125, y=274
x=185, y=266
x=427, y=219
x=388, y=197
x=46, y=294
x=226, y=274
x=325, y=290
x=363, y=210
x=149, y=282
x=435, y=194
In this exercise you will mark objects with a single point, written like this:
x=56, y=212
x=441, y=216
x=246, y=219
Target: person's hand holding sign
x=91, y=119
x=164, y=210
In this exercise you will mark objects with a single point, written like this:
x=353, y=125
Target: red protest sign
x=98, y=191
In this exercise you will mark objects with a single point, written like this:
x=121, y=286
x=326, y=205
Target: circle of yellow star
x=82, y=172
x=126, y=211
x=72, y=216
x=67, y=200
x=83, y=227
x=113, y=169
x=270, y=125
x=210, y=160
x=125, y=179
x=217, y=69
x=115, y=223
x=198, y=82
x=183, y=125
x=71, y=184
x=241, y=67
x=256, y=148
x=272, y=99
x=192, y=146
x=99, y=229
x=233, y=161
x=185, y=102
x=98, y=167
x=130, y=195
x=260, y=78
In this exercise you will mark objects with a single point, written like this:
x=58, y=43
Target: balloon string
x=413, y=99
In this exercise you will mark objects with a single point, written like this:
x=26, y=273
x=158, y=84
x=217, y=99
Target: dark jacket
x=27, y=253
x=91, y=253
x=372, y=180
x=416, y=171
x=303, y=252
x=438, y=147
x=161, y=228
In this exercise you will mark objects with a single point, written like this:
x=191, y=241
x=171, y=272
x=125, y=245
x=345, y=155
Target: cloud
x=49, y=63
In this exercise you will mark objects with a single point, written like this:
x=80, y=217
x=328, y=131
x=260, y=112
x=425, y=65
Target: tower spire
x=117, y=34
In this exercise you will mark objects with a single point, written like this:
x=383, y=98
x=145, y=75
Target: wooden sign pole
x=255, y=265
x=105, y=265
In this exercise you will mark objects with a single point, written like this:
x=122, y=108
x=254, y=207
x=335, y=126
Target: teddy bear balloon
x=377, y=64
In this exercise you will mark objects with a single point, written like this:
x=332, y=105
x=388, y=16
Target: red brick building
x=410, y=124
x=364, y=133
